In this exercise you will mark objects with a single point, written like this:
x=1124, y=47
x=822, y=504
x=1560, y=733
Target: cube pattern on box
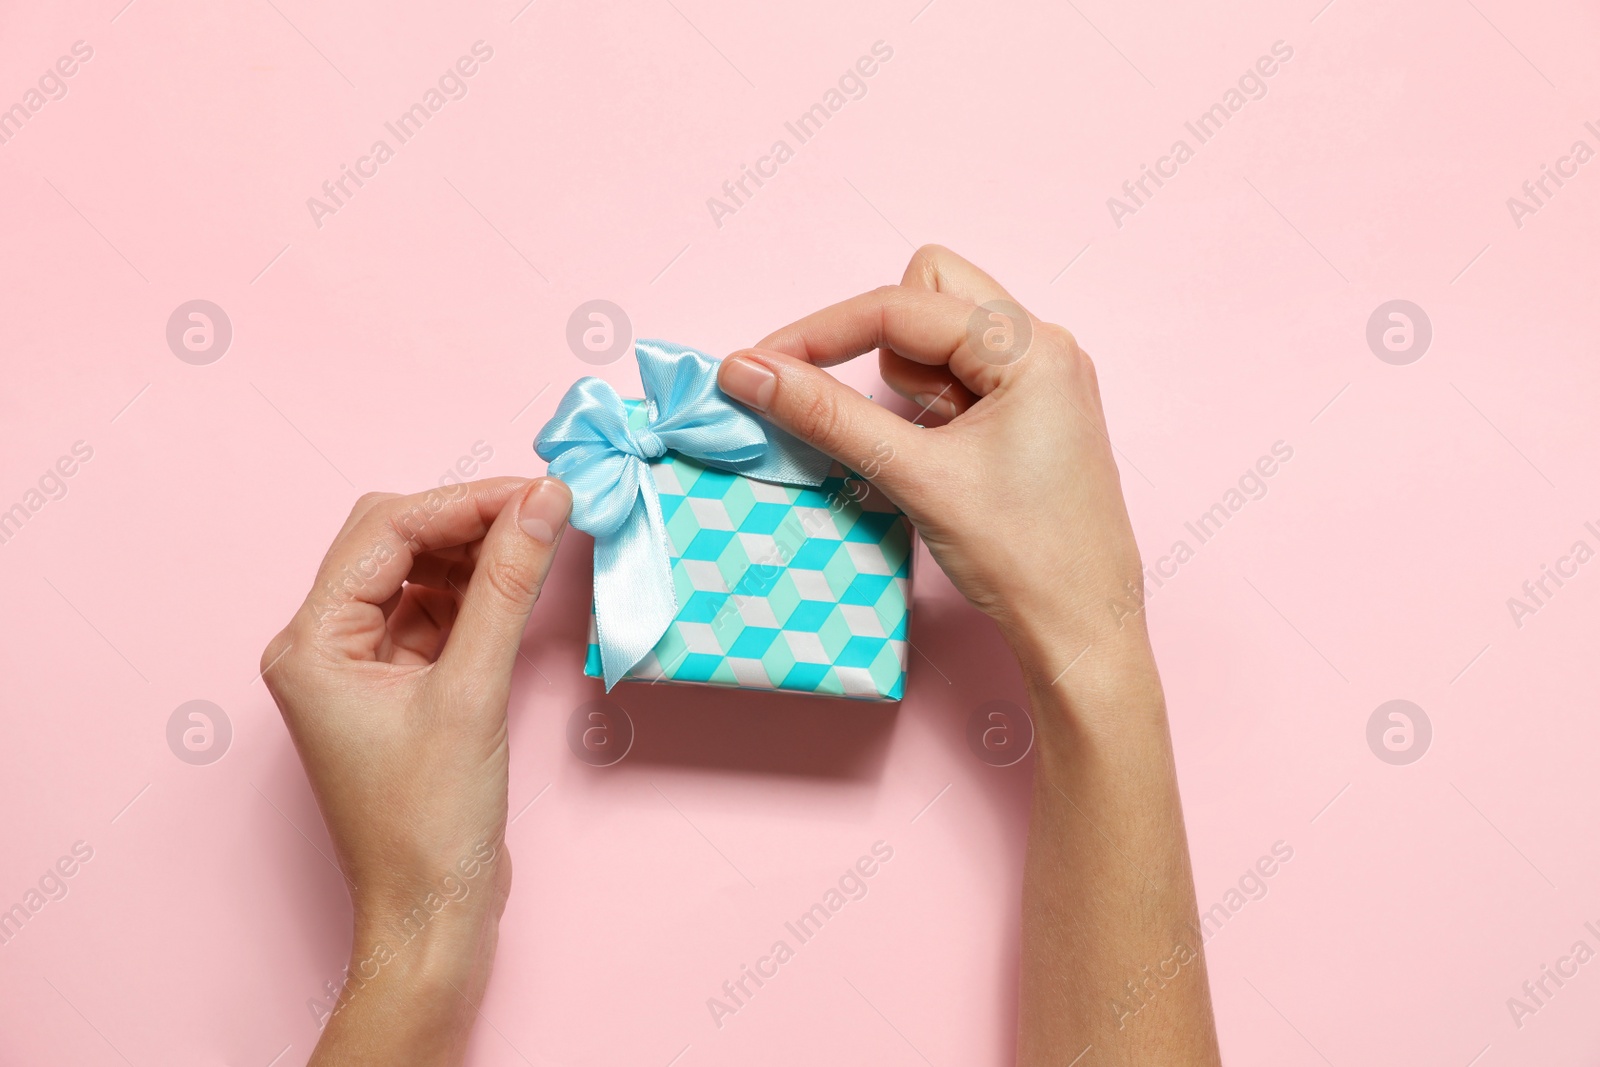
x=780, y=587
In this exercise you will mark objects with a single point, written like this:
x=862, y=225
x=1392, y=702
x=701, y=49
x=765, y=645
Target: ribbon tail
x=634, y=597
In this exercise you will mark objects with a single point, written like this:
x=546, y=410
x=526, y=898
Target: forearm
x=1111, y=946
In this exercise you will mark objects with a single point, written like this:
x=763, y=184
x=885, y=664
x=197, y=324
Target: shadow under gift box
x=779, y=587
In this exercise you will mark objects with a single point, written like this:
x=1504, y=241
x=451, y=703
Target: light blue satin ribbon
x=590, y=446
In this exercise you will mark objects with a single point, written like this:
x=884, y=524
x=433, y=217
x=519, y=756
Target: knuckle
x=274, y=650
x=368, y=507
x=1077, y=357
x=925, y=262
x=819, y=421
x=1071, y=356
x=512, y=583
x=1084, y=368
x=401, y=526
x=405, y=520
x=366, y=502
x=1060, y=337
x=283, y=660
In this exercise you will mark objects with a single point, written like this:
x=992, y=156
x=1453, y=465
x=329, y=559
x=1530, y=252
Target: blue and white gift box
x=726, y=551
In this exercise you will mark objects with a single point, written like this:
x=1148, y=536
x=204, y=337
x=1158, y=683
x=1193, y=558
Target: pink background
x=429, y=314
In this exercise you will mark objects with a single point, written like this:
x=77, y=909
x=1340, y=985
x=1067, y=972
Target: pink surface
x=427, y=316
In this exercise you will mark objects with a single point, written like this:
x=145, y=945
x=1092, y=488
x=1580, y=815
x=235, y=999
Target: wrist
x=411, y=993
x=432, y=911
x=1105, y=674
x=422, y=952
x=426, y=946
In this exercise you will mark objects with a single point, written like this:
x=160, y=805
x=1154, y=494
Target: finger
x=418, y=626
x=932, y=328
x=830, y=416
x=936, y=268
x=364, y=503
x=933, y=389
x=450, y=571
x=511, y=569
x=368, y=564
x=455, y=552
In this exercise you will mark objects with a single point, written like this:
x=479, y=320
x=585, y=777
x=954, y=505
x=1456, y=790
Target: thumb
x=828, y=415
x=510, y=571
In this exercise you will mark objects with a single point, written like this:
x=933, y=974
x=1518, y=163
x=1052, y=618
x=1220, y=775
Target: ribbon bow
x=605, y=462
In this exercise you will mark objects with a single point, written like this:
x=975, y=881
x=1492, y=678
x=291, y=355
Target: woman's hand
x=1019, y=500
x=393, y=679
x=1017, y=496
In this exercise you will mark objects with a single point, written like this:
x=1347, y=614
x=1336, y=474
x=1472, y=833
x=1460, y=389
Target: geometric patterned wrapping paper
x=779, y=587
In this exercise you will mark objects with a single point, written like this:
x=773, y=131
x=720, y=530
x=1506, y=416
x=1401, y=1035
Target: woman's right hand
x=1017, y=495
x=1019, y=499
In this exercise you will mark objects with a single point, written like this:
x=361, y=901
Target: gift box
x=765, y=564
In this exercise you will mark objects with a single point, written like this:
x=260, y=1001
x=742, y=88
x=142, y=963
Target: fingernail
x=940, y=405
x=748, y=382
x=544, y=510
